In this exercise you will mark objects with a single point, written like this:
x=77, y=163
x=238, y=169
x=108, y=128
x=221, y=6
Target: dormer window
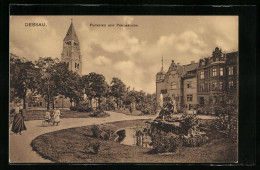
x=203, y=63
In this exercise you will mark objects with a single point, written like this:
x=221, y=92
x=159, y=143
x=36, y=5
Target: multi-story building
x=190, y=89
x=203, y=84
x=217, y=76
x=171, y=83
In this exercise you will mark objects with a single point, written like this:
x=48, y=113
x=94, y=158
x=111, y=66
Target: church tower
x=160, y=85
x=71, y=51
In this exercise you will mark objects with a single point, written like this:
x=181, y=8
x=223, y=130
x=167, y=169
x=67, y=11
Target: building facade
x=171, y=83
x=217, y=77
x=190, y=89
x=203, y=84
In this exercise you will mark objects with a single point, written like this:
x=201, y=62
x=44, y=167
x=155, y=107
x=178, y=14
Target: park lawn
x=127, y=112
x=39, y=114
x=67, y=146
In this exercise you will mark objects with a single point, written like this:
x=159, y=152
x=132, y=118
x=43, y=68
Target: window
x=230, y=71
x=202, y=87
x=189, y=97
x=220, y=99
x=202, y=100
x=202, y=75
x=214, y=99
x=221, y=85
x=214, y=72
x=67, y=53
x=206, y=86
x=173, y=86
x=230, y=84
x=203, y=63
x=214, y=86
x=78, y=66
x=221, y=71
x=189, y=84
x=75, y=65
x=164, y=91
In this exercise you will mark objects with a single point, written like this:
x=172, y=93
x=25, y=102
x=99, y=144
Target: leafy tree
x=48, y=83
x=22, y=77
x=117, y=89
x=95, y=86
x=70, y=86
x=130, y=97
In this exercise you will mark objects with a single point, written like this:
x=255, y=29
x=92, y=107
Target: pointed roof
x=71, y=34
x=172, y=67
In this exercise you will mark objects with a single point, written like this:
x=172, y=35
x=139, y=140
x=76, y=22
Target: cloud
x=101, y=60
x=32, y=42
x=131, y=54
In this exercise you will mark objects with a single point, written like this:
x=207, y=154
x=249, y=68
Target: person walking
x=18, y=122
x=56, y=117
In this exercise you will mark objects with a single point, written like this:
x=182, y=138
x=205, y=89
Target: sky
x=132, y=54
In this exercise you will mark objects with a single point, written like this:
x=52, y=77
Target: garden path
x=20, y=150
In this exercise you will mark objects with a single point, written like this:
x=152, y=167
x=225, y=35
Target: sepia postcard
x=123, y=89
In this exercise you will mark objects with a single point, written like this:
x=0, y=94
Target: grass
x=127, y=112
x=67, y=146
x=39, y=114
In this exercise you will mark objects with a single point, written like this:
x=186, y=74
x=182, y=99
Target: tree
x=48, y=82
x=95, y=86
x=22, y=77
x=70, y=86
x=118, y=89
x=130, y=97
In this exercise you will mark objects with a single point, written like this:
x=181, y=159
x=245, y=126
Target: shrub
x=226, y=122
x=106, y=134
x=96, y=131
x=195, y=141
x=97, y=113
x=73, y=108
x=168, y=142
x=95, y=146
x=84, y=107
x=189, y=122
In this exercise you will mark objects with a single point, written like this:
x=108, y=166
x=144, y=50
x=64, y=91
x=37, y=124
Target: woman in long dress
x=56, y=117
x=18, y=122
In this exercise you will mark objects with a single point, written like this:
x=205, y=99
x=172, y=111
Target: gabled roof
x=190, y=67
x=71, y=34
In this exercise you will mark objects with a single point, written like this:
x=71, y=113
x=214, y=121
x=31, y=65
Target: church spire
x=71, y=34
x=162, y=64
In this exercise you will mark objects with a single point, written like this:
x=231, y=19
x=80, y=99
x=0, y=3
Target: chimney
x=192, y=62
